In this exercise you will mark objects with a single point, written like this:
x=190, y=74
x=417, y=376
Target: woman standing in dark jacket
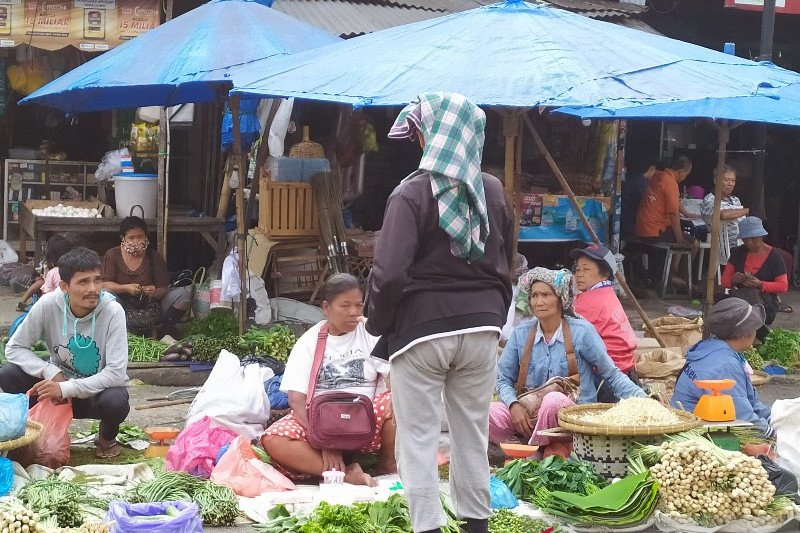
x=439, y=294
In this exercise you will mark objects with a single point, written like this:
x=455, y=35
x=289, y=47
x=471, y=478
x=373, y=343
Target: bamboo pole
x=225, y=193
x=571, y=195
x=724, y=132
x=511, y=129
x=241, y=236
x=162, y=176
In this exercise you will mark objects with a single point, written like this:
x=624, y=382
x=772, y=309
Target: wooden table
x=38, y=228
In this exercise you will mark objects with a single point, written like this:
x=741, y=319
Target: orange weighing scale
x=517, y=451
x=159, y=437
x=715, y=407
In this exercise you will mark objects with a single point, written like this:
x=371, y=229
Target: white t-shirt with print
x=347, y=366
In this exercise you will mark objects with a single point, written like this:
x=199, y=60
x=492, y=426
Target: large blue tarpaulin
x=192, y=58
x=513, y=54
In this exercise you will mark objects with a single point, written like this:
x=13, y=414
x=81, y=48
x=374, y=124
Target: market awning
x=188, y=59
x=512, y=54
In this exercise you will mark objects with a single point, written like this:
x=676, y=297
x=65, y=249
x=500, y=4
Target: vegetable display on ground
x=276, y=341
x=524, y=477
x=15, y=517
x=144, y=349
x=505, y=521
x=52, y=497
x=218, y=504
x=781, y=346
x=706, y=483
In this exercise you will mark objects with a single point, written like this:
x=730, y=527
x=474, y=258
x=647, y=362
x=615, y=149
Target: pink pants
x=501, y=427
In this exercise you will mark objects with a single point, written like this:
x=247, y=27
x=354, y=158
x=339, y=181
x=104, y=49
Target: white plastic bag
x=785, y=415
x=7, y=253
x=110, y=164
x=234, y=396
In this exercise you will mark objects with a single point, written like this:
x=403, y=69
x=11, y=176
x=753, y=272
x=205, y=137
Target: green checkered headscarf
x=452, y=128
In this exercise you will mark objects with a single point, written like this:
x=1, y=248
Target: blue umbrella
x=513, y=54
x=192, y=58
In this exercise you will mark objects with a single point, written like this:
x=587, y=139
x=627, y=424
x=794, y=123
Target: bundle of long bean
x=61, y=499
x=218, y=504
x=144, y=350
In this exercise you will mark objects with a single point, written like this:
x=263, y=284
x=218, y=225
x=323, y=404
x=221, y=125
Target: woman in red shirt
x=597, y=302
x=756, y=272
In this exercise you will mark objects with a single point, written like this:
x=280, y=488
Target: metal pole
x=713, y=252
x=765, y=54
x=241, y=236
x=571, y=195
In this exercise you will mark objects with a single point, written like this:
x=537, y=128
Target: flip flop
x=786, y=309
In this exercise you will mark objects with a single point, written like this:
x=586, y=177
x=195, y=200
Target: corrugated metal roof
x=349, y=18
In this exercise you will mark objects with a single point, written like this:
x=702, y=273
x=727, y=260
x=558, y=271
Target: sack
x=785, y=414
x=201, y=294
x=532, y=399
x=196, y=447
x=6, y=269
x=659, y=363
x=52, y=448
x=784, y=481
x=502, y=497
x=13, y=415
x=247, y=475
x=125, y=517
x=22, y=277
x=247, y=411
x=337, y=420
x=677, y=331
x=7, y=253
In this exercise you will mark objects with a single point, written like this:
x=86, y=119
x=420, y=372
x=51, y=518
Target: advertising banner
x=91, y=25
x=781, y=6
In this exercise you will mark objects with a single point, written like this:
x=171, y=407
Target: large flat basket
x=570, y=419
x=33, y=431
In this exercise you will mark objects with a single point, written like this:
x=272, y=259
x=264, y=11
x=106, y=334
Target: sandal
x=106, y=451
x=785, y=309
x=21, y=307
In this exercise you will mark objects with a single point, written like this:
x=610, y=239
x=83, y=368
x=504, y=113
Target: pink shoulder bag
x=337, y=420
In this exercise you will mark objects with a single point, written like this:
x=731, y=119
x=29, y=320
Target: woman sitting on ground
x=756, y=272
x=595, y=267
x=138, y=277
x=347, y=366
x=549, y=295
x=56, y=247
x=734, y=323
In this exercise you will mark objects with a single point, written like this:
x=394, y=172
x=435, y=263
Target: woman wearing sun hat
x=756, y=271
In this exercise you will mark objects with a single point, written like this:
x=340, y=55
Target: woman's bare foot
x=354, y=475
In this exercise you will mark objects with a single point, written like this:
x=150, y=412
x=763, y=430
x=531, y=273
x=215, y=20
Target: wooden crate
x=286, y=209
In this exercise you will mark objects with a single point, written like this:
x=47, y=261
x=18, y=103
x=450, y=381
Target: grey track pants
x=464, y=367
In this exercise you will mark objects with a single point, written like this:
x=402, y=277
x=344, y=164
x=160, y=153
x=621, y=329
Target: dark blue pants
x=110, y=406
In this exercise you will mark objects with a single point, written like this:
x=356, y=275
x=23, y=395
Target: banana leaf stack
x=627, y=502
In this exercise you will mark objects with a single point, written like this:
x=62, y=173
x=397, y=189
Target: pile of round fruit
x=62, y=210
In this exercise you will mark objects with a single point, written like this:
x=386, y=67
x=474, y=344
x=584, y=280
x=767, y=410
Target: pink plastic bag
x=195, y=449
x=246, y=474
x=52, y=448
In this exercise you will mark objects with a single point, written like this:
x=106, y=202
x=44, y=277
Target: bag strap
x=527, y=352
x=319, y=355
x=569, y=349
x=202, y=272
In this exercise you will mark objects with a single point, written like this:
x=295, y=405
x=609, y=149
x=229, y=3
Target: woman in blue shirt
x=549, y=295
x=734, y=323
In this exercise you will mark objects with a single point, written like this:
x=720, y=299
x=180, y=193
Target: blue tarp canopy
x=774, y=106
x=191, y=58
x=513, y=54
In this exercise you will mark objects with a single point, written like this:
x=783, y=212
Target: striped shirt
x=732, y=226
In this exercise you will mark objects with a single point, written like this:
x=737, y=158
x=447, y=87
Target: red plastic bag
x=246, y=474
x=52, y=448
x=195, y=449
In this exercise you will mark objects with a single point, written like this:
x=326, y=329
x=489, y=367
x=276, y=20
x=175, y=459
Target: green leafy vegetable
x=206, y=348
x=218, y=323
x=276, y=341
x=781, y=346
x=505, y=521
x=524, y=477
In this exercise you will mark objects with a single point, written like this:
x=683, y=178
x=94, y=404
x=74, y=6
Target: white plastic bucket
x=131, y=189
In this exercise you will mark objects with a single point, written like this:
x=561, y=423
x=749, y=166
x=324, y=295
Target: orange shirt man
x=658, y=218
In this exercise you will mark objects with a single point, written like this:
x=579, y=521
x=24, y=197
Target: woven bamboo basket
x=307, y=148
x=606, y=448
x=32, y=432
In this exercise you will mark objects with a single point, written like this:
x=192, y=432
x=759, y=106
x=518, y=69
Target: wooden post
x=724, y=132
x=571, y=195
x=241, y=236
x=511, y=127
